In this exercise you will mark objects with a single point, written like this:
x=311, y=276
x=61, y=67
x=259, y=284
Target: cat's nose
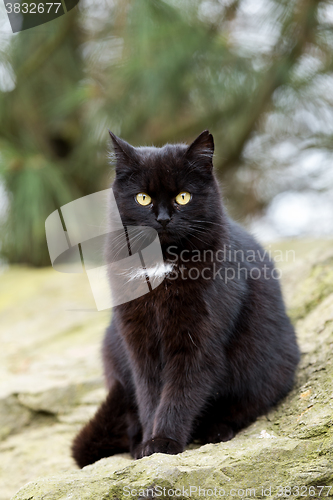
x=163, y=217
x=164, y=220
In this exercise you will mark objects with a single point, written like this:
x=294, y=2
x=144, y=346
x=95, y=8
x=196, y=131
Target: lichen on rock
x=287, y=453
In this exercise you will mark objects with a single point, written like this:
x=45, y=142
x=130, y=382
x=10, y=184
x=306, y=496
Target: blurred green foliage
x=155, y=71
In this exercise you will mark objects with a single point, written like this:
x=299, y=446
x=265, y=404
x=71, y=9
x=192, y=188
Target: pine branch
x=36, y=61
x=303, y=23
x=276, y=76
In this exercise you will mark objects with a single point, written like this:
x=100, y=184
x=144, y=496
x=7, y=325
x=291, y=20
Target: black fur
x=195, y=358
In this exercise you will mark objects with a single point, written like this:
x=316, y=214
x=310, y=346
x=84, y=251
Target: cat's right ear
x=201, y=151
x=125, y=154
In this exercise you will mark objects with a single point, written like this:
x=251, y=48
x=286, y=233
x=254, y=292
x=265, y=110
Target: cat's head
x=171, y=189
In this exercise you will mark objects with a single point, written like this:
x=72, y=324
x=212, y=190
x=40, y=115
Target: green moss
x=313, y=290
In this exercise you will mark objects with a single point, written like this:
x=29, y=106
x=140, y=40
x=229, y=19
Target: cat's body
x=211, y=348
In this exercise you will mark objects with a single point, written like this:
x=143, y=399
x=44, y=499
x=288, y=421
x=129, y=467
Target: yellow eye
x=183, y=198
x=143, y=199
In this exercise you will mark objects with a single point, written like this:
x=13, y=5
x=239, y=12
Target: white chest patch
x=157, y=271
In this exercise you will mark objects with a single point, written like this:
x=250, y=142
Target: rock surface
x=50, y=371
x=51, y=382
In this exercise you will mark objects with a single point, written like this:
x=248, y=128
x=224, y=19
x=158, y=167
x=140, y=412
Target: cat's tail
x=106, y=433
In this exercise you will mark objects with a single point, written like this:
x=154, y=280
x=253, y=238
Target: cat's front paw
x=158, y=445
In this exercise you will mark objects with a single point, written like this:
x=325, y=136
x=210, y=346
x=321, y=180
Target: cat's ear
x=125, y=153
x=201, y=151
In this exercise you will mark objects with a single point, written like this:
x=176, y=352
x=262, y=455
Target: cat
x=211, y=348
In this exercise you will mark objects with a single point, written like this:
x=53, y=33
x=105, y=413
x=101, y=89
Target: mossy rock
x=288, y=453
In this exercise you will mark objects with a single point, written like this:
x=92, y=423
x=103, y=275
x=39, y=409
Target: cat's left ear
x=201, y=150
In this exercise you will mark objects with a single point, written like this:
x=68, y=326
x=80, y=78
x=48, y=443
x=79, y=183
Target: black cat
x=211, y=348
